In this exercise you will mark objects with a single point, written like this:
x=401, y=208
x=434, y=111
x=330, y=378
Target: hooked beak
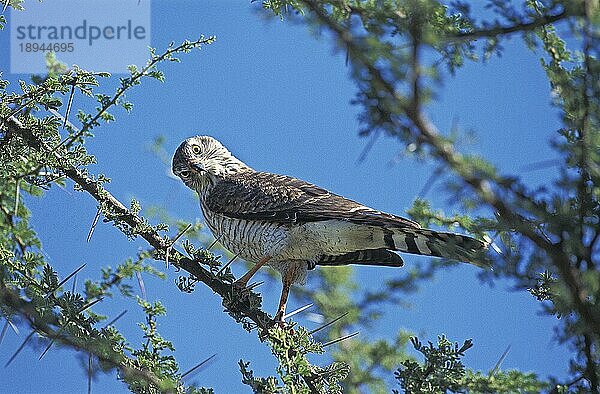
x=196, y=167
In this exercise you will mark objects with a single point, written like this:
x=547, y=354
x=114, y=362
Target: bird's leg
x=243, y=281
x=285, y=292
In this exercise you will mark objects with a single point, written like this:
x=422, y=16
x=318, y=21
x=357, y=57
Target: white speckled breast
x=294, y=247
x=251, y=240
x=254, y=240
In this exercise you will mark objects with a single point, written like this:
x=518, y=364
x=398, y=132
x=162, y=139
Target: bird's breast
x=252, y=240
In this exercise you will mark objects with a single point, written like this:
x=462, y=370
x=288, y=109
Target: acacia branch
x=43, y=325
x=134, y=80
x=10, y=222
x=443, y=150
x=584, y=134
x=482, y=187
x=495, y=31
x=260, y=318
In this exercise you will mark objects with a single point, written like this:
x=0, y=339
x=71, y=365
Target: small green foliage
x=551, y=229
x=30, y=288
x=203, y=256
x=150, y=356
x=441, y=371
x=119, y=276
x=267, y=385
x=547, y=238
x=542, y=290
x=281, y=8
x=503, y=382
x=291, y=345
x=339, y=299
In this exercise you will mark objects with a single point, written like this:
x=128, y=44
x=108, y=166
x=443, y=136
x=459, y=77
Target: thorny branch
x=575, y=9
x=487, y=188
x=88, y=125
x=428, y=134
x=152, y=237
x=516, y=28
x=43, y=326
x=162, y=245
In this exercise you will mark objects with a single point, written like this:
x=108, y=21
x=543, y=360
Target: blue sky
x=279, y=97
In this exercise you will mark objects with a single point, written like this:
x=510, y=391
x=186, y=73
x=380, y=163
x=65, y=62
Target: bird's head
x=200, y=161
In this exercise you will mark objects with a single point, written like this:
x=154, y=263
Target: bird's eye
x=196, y=149
x=184, y=174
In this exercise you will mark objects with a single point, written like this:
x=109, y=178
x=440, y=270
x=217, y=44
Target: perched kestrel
x=293, y=226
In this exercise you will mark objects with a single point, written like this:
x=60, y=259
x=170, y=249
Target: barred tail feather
x=433, y=243
x=381, y=257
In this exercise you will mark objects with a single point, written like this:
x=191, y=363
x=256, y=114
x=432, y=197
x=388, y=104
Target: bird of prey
x=293, y=226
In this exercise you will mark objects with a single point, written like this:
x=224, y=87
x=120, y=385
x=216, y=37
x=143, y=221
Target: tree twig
x=43, y=325
x=134, y=221
x=162, y=244
x=444, y=151
x=516, y=28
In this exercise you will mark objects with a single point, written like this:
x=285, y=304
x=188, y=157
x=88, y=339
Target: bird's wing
x=277, y=198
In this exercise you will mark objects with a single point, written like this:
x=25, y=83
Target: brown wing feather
x=263, y=196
